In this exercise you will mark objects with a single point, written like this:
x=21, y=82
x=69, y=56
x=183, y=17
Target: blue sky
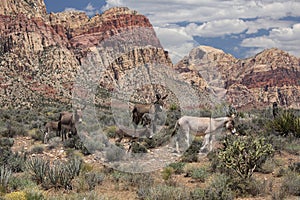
x=239, y=27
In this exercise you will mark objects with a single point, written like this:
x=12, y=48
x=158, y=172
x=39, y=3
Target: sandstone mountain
x=256, y=82
x=41, y=54
x=44, y=56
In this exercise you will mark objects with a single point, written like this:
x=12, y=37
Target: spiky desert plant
x=5, y=174
x=286, y=123
x=244, y=154
x=38, y=167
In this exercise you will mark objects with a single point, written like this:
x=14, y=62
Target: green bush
x=93, y=179
x=178, y=167
x=16, y=161
x=219, y=189
x=244, y=154
x=199, y=174
x=291, y=184
x=286, y=123
x=167, y=173
x=38, y=168
x=163, y=192
x=58, y=175
x=191, y=154
x=37, y=149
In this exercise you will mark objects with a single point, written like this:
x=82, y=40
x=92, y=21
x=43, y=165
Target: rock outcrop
x=41, y=54
x=256, y=82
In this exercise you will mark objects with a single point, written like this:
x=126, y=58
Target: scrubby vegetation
x=263, y=161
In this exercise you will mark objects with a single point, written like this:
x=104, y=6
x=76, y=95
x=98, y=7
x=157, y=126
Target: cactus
x=244, y=155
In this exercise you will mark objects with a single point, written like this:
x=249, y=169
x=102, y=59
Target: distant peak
x=119, y=10
x=209, y=49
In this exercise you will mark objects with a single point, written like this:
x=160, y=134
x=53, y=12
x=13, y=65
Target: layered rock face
x=256, y=82
x=44, y=56
x=41, y=54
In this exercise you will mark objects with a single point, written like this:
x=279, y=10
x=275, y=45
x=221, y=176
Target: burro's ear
x=165, y=97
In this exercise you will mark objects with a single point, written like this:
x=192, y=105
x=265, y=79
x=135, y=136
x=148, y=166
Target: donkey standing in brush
x=147, y=114
x=69, y=121
x=203, y=126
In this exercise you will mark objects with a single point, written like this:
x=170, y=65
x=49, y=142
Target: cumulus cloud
x=90, y=9
x=217, y=28
x=175, y=41
x=177, y=22
x=284, y=38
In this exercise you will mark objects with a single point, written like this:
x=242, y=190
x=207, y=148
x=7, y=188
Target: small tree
x=244, y=155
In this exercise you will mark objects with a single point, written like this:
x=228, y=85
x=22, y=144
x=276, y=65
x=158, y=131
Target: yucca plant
x=5, y=174
x=286, y=123
x=39, y=168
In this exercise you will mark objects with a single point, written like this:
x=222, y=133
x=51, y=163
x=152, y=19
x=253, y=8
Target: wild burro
x=147, y=114
x=52, y=126
x=202, y=126
x=66, y=124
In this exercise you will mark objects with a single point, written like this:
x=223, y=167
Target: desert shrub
x=245, y=187
x=295, y=167
x=33, y=194
x=198, y=194
x=76, y=143
x=191, y=154
x=244, y=154
x=167, y=173
x=20, y=195
x=267, y=167
x=6, y=142
x=199, y=173
x=286, y=123
x=38, y=168
x=111, y=131
x=36, y=134
x=178, y=167
x=58, y=175
x=125, y=179
x=163, y=192
x=93, y=179
x=114, y=154
x=5, y=177
x=291, y=184
x=89, y=195
x=16, y=161
x=292, y=146
x=21, y=182
x=219, y=188
x=37, y=149
x=138, y=148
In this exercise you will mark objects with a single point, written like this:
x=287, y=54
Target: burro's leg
x=206, y=143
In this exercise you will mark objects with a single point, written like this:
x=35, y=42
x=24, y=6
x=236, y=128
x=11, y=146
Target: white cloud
x=112, y=3
x=217, y=28
x=217, y=18
x=175, y=41
x=284, y=38
x=90, y=10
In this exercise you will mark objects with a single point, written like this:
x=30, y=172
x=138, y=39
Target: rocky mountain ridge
x=255, y=82
x=41, y=55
